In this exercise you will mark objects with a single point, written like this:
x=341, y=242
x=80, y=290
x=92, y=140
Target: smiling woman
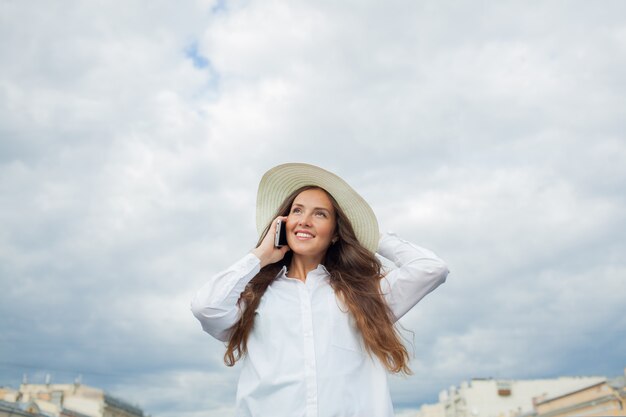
x=310, y=230
x=314, y=320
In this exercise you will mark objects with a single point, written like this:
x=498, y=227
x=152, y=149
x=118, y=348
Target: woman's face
x=311, y=223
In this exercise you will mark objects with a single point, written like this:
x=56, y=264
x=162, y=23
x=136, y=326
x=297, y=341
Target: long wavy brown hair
x=355, y=275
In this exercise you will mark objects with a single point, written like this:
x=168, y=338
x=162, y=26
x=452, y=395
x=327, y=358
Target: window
x=504, y=388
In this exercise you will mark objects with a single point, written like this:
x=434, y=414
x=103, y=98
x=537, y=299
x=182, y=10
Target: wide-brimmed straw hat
x=282, y=180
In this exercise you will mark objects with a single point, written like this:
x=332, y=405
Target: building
x=487, y=397
x=432, y=410
x=606, y=398
x=12, y=409
x=67, y=400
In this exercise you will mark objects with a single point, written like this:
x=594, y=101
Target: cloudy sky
x=132, y=140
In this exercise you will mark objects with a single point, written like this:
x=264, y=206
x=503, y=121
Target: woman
x=314, y=320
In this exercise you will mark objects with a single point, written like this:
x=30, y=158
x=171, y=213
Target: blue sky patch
x=192, y=53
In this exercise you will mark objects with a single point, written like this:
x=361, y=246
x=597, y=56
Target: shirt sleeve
x=419, y=271
x=215, y=304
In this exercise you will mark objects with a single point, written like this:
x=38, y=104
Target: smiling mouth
x=304, y=235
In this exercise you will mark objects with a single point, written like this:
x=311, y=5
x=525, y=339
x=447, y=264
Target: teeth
x=301, y=234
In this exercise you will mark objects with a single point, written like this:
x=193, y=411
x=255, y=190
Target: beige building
x=68, y=400
x=432, y=410
x=11, y=409
x=606, y=398
x=499, y=397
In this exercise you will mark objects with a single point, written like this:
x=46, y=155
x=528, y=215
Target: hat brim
x=279, y=182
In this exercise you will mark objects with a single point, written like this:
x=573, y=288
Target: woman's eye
x=321, y=214
x=295, y=210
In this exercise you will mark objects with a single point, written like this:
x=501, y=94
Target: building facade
x=499, y=397
x=69, y=400
x=607, y=398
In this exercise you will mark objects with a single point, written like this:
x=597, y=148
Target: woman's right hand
x=266, y=251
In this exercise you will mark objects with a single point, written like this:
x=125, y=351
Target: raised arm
x=215, y=304
x=419, y=271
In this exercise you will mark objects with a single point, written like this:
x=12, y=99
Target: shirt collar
x=320, y=270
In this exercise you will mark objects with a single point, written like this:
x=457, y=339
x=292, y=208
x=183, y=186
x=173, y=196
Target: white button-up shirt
x=305, y=355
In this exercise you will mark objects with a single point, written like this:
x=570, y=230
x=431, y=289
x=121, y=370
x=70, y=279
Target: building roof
x=565, y=394
x=618, y=383
x=116, y=402
x=71, y=413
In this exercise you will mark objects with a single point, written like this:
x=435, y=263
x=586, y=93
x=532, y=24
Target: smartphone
x=280, y=239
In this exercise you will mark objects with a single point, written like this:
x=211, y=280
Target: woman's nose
x=305, y=220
